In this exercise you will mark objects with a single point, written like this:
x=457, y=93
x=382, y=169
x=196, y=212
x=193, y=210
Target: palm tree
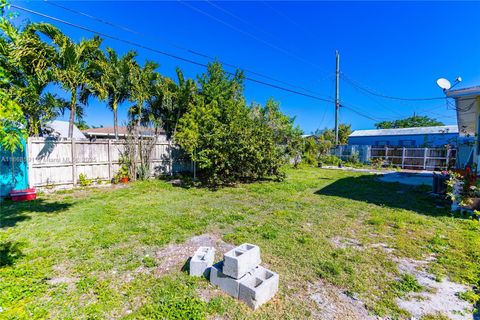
x=143, y=81
x=75, y=68
x=29, y=60
x=115, y=80
x=168, y=102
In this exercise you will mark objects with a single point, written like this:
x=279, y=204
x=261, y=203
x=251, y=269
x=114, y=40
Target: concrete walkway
x=408, y=177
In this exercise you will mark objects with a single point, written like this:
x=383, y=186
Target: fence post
x=109, y=153
x=170, y=160
x=447, y=159
x=74, y=163
x=425, y=159
x=403, y=158
x=29, y=163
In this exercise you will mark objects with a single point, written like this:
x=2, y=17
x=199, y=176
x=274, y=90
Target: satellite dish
x=444, y=83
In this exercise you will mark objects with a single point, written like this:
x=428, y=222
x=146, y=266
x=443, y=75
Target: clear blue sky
x=395, y=48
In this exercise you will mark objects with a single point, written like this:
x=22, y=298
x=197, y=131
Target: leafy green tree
x=410, y=122
x=75, y=68
x=115, y=80
x=229, y=141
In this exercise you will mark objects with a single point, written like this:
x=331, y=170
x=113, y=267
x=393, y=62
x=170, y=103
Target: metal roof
x=404, y=131
x=60, y=129
x=463, y=92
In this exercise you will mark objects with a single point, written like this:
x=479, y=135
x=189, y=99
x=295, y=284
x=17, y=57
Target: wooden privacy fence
x=55, y=162
x=405, y=158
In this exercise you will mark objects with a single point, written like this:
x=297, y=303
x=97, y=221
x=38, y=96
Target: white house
x=467, y=105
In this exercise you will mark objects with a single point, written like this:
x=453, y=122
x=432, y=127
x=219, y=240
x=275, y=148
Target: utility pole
x=337, y=94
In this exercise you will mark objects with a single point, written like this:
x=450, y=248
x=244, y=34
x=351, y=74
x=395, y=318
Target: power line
x=287, y=52
x=165, y=53
x=370, y=91
x=191, y=51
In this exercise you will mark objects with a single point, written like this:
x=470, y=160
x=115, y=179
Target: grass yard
x=95, y=253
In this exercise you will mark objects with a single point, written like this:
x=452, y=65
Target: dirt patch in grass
x=437, y=297
x=174, y=256
x=334, y=303
x=61, y=276
x=343, y=243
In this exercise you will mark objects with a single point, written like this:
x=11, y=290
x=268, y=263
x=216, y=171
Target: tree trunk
x=73, y=109
x=115, y=120
x=14, y=179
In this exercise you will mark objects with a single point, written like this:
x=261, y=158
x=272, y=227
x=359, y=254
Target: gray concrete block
x=259, y=287
x=201, y=261
x=224, y=282
x=241, y=260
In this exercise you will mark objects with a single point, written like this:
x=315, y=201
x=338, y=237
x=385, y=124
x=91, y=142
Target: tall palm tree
x=75, y=67
x=142, y=80
x=115, y=79
x=168, y=102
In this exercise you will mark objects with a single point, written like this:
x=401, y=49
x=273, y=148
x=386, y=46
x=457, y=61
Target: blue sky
x=393, y=48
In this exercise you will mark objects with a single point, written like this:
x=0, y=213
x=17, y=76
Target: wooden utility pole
x=337, y=94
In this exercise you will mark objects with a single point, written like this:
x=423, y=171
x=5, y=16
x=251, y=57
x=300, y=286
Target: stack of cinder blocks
x=239, y=273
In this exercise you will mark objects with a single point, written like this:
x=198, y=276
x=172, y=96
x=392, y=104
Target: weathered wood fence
x=55, y=162
x=403, y=157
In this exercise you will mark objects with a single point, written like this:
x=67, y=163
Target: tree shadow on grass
x=369, y=189
x=12, y=213
x=9, y=253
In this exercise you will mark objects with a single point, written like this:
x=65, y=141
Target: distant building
x=59, y=129
x=437, y=136
x=109, y=133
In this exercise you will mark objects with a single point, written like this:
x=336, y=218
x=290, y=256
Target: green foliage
x=74, y=67
x=470, y=296
x=410, y=122
x=330, y=160
x=407, y=283
x=84, y=181
x=173, y=300
x=310, y=151
x=231, y=142
x=11, y=124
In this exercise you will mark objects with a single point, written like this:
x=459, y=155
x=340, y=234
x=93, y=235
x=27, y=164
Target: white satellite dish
x=444, y=83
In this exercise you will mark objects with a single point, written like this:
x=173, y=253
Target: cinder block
x=224, y=282
x=259, y=287
x=201, y=261
x=241, y=260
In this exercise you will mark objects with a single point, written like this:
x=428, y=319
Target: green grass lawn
x=91, y=254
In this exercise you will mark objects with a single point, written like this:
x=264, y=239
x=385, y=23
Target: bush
x=84, y=182
x=231, y=142
x=330, y=160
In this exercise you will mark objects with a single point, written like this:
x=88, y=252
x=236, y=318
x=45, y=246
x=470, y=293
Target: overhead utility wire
x=166, y=53
x=194, y=52
x=355, y=83
x=287, y=52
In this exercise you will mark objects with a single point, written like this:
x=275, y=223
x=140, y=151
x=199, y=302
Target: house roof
x=405, y=131
x=463, y=92
x=60, y=128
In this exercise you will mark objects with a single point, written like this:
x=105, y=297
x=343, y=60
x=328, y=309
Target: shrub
x=84, y=181
x=330, y=160
x=407, y=283
x=231, y=142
